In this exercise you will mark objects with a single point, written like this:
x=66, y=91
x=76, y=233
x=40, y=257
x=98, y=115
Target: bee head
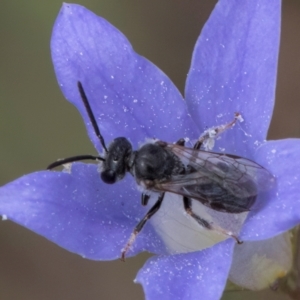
x=116, y=160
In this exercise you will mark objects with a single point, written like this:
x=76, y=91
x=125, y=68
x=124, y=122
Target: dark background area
x=38, y=126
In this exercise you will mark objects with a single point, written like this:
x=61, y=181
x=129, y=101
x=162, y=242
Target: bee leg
x=208, y=225
x=141, y=224
x=144, y=199
x=209, y=135
x=188, y=208
x=180, y=142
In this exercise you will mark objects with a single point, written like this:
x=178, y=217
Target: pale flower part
x=182, y=234
x=259, y=264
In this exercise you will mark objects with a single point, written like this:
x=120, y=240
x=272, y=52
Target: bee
x=222, y=182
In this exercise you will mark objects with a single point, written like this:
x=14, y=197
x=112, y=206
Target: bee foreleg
x=208, y=225
x=141, y=224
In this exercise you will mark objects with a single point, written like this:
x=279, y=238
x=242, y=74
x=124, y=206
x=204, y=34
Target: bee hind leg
x=207, y=138
x=188, y=208
x=141, y=224
x=208, y=225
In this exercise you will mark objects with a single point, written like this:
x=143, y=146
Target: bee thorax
x=152, y=162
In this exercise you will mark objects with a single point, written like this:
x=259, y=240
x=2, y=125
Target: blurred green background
x=37, y=126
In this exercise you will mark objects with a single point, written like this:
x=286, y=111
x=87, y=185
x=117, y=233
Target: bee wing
x=223, y=182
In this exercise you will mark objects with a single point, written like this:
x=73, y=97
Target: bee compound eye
x=108, y=176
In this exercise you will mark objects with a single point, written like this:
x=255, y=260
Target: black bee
x=223, y=182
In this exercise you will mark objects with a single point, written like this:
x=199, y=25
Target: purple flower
x=233, y=70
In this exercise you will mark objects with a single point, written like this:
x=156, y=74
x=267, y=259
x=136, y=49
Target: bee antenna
x=91, y=115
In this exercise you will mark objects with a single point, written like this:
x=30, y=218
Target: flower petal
x=282, y=211
x=257, y=265
x=187, y=276
x=78, y=211
x=234, y=70
x=129, y=95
